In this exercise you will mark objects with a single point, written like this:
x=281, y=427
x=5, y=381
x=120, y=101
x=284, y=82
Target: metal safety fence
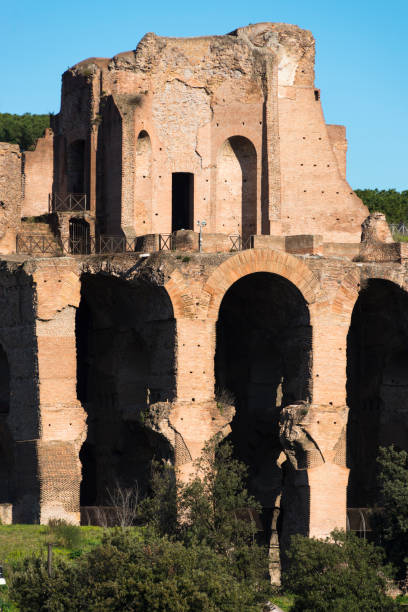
x=68, y=202
x=83, y=244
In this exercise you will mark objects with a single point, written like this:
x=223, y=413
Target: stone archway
x=125, y=370
x=259, y=260
x=262, y=363
x=377, y=383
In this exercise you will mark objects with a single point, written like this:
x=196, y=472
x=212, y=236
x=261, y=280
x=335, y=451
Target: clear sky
x=362, y=59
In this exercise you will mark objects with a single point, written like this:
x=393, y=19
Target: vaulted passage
x=4, y=382
x=262, y=362
x=377, y=384
x=125, y=349
x=182, y=201
x=237, y=187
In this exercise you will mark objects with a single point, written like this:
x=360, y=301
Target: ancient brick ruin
x=125, y=335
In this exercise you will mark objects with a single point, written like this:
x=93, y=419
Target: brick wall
x=38, y=176
x=10, y=195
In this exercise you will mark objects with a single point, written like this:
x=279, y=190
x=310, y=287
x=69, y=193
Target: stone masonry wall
x=10, y=195
x=192, y=98
x=38, y=176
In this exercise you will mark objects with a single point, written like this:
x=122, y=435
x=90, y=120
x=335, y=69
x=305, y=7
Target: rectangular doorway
x=182, y=201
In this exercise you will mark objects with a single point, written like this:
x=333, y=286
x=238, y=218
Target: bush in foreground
x=343, y=574
x=391, y=522
x=133, y=572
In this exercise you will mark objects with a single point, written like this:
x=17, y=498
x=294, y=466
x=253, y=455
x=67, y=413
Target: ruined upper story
x=239, y=112
x=227, y=129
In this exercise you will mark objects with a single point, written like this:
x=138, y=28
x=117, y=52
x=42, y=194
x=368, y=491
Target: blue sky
x=362, y=59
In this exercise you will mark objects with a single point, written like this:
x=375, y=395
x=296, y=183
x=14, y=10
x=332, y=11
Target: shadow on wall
x=237, y=186
x=377, y=384
x=125, y=364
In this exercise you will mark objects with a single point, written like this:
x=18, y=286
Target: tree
x=340, y=574
x=391, y=522
x=23, y=130
x=392, y=203
x=215, y=506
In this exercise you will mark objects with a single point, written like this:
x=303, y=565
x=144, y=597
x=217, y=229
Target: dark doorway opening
x=125, y=336
x=79, y=237
x=377, y=385
x=76, y=167
x=182, y=201
x=263, y=362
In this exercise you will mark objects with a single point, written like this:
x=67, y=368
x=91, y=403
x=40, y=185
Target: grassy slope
x=19, y=541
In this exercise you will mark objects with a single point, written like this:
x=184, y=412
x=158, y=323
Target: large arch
x=125, y=363
x=259, y=260
x=377, y=383
x=262, y=364
x=236, y=209
x=143, y=183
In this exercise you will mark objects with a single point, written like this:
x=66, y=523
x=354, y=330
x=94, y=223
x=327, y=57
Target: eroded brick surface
x=287, y=333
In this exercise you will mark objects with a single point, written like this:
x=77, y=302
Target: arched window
x=143, y=183
x=237, y=187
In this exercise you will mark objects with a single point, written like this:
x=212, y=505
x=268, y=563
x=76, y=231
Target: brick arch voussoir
x=260, y=260
x=180, y=297
x=349, y=291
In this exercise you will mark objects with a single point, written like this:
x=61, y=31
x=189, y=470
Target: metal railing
x=165, y=242
x=31, y=243
x=399, y=228
x=103, y=244
x=50, y=245
x=68, y=202
x=236, y=242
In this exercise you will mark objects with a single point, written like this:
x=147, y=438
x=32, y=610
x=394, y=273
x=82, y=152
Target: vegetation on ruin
x=393, y=203
x=198, y=549
x=23, y=130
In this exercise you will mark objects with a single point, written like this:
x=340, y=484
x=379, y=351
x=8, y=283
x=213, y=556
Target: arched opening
x=125, y=369
x=76, y=167
x=237, y=187
x=143, y=183
x=263, y=361
x=4, y=382
x=182, y=201
x=79, y=236
x=377, y=384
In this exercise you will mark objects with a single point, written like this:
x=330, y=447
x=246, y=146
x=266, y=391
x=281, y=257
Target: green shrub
x=126, y=573
x=390, y=524
x=341, y=574
x=64, y=534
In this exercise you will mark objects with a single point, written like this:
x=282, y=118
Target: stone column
x=62, y=419
x=195, y=416
x=315, y=485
